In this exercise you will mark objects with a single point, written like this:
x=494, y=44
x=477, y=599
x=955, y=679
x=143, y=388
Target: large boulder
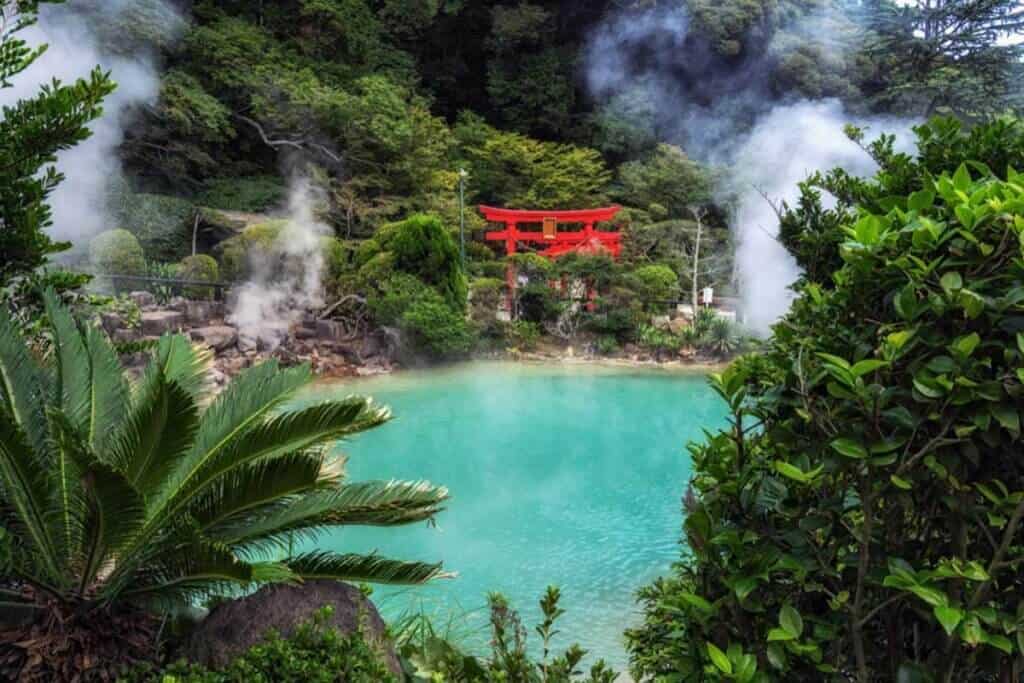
x=202, y=312
x=156, y=323
x=217, y=337
x=234, y=627
x=143, y=299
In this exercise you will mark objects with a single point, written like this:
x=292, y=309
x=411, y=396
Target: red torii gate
x=587, y=240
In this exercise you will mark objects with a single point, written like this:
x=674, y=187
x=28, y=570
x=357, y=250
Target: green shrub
x=436, y=658
x=538, y=303
x=201, y=268
x=437, y=330
x=656, y=284
x=394, y=296
x=314, y=653
x=523, y=335
x=607, y=345
x=117, y=252
x=869, y=527
x=488, y=269
x=255, y=193
x=258, y=242
x=486, y=295
x=374, y=273
x=657, y=340
x=238, y=253
x=722, y=338
x=533, y=266
x=423, y=247
x=163, y=291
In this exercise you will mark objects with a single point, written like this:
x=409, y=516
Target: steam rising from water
x=286, y=281
x=75, y=48
x=727, y=115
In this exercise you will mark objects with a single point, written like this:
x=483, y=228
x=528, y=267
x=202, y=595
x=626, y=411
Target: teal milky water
x=569, y=476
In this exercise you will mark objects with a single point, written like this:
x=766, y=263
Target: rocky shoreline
x=321, y=343
x=324, y=344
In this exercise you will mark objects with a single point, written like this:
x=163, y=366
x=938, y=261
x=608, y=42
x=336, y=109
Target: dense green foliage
x=861, y=516
x=32, y=132
x=120, y=497
x=421, y=246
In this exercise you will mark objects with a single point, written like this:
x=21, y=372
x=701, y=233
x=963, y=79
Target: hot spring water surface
x=564, y=476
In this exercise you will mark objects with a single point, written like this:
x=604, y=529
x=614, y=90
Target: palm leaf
x=369, y=568
x=193, y=570
x=184, y=364
x=159, y=430
x=67, y=506
x=24, y=483
x=374, y=503
x=254, y=490
x=108, y=392
x=73, y=386
x=243, y=405
x=112, y=509
x=282, y=435
x=23, y=385
x=93, y=390
x=246, y=401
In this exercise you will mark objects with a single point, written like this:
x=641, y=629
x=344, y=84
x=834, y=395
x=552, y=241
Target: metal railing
x=177, y=285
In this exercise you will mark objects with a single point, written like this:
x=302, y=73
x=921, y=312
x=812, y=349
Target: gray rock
x=178, y=303
x=143, y=299
x=111, y=322
x=199, y=312
x=661, y=322
x=234, y=627
x=247, y=344
x=217, y=337
x=329, y=330
x=125, y=335
x=156, y=323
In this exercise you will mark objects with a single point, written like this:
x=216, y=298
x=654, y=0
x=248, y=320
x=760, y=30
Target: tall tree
x=32, y=132
x=957, y=55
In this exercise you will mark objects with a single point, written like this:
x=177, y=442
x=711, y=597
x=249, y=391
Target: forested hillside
x=392, y=97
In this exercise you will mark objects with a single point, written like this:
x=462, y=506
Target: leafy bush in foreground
x=860, y=519
x=433, y=657
x=122, y=502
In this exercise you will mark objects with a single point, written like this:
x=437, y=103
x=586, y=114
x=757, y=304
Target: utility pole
x=698, y=214
x=463, y=174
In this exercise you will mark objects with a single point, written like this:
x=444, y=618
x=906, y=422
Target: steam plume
x=82, y=34
x=724, y=113
x=286, y=281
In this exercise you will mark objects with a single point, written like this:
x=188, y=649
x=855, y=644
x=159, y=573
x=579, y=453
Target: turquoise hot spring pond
x=571, y=476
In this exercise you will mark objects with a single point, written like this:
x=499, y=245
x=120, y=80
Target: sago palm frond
x=367, y=503
x=154, y=494
x=370, y=568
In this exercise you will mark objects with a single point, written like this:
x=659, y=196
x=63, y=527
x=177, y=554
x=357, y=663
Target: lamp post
x=463, y=174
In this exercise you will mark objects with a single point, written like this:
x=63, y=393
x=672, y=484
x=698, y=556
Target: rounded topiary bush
x=200, y=268
x=117, y=252
x=238, y=253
